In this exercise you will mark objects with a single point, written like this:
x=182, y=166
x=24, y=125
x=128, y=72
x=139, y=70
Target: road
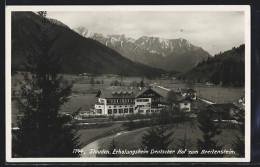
x=97, y=144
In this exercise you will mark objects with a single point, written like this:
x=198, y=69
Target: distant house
x=86, y=75
x=189, y=93
x=183, y=103
x=209, y=84
x=165, y=76
x=110, y=75
x=222, y=111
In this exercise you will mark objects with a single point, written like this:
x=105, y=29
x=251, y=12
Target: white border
x=245, y=8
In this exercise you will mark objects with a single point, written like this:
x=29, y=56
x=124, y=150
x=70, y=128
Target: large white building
x=121, y=100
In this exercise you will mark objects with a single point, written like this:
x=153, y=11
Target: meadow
x=84, y=94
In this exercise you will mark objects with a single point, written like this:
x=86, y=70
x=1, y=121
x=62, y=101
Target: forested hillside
x=75, y=53
x=227, y=68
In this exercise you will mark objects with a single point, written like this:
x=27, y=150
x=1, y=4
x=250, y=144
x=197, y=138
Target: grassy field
x=83, y=101
x=131, y=140
x=80, y=97
x=213, y=93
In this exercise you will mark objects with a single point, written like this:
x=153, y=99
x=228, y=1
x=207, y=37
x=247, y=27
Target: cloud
x=213, y=31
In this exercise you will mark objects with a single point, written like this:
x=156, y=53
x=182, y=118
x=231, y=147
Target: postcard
x=115, y=83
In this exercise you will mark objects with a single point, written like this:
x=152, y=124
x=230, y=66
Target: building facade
x=120, y=101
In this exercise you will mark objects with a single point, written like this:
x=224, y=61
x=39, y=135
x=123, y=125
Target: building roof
x=221, y=107
x=117, y=92
x=182, y=98
x=224, y=105
x=162, y=92
x=124, y=92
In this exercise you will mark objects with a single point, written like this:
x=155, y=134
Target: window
x=142, y=100
x=140, y=111
x=120, y=111
x=185, y=104
x=99, y=111
x=125, y=110
x=115, y=111
x=109, y=111
x=131, y=110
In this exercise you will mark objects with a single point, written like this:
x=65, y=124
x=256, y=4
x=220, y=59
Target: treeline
x=230, y=73
x=226, y=69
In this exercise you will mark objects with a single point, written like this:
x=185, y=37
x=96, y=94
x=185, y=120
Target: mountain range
x=75, y=53
x=169, y=54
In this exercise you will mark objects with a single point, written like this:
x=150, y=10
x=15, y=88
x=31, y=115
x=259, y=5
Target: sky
x=214, y=31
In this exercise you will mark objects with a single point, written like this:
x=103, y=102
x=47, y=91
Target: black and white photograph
x=128, y=83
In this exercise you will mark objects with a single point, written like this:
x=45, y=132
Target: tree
x=112, y=146
x=115, y=83
x=184, y=143
x=175, y=111
x=43, y=132
x=190, y=85
x=183, y=78
x=209, y=130
x=171, y=99
x=215, y=78
x=142, y=83
x=134, y=84
x=239, y=142
x=156, y=137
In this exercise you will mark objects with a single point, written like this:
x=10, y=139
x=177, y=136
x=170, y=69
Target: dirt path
x=97, y=144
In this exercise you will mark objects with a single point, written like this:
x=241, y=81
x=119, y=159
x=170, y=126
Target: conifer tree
x=157, y=137
x=175, y=111
x=209, y=130
x=112, y=146
x=239, y=142
x=142, y=83
x=43, y=132
x=184, y=143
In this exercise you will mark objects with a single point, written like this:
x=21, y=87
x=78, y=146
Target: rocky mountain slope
x=75, y=53
x=169, y=54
